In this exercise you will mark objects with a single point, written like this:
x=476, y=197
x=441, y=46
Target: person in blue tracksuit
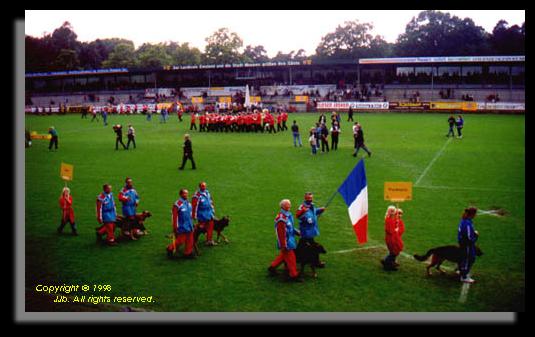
x=308, y=214
x=106, y=215
x=467, y=237
x=204, y=211
x=130, y=200
x=459, y=124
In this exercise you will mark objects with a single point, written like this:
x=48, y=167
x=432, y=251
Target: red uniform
x=393, y=233
x=67, y=213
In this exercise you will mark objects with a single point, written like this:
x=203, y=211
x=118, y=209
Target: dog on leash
x=219, y=226
x=309, y=253
x=134, y=228
x=440, y=254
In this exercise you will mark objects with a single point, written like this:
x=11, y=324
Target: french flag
x=354, y=190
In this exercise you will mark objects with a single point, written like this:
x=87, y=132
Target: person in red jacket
x=67, y=213
x=392, y=238
x=192, y=124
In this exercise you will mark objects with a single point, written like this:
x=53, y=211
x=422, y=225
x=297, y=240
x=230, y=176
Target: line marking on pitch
x=433, y=161
x=470, y=189
x=464, y=292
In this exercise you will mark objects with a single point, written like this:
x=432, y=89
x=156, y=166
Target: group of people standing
x=320, y=134
x=458, y=123
x=255, y=121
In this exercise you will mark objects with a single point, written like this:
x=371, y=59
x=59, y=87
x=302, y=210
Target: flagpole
x=331, y=199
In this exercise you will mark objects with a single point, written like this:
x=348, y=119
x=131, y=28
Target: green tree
x=121, y=56
x=183, y=54
x=351, y=41
x=255, y=54
x=153, y=56
x=507, y=40
x=434, y=33
x=223, y=46
x=67, y=59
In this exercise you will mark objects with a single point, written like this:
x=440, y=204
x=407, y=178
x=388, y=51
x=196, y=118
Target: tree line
x=431, y=33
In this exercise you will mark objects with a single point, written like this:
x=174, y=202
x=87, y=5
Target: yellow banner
x=160, y=106
x=469, y=106
x=66, y=171
x=35, y=135
x=196, y=100
x=301, y=98
x=398, y=191
x=255, y=99
x=447, y=105
x=224, y=99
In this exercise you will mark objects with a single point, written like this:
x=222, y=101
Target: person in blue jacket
x=130, y=200
x=459, y=123
x=308, y=214
x=467, y=237
x=106, y=215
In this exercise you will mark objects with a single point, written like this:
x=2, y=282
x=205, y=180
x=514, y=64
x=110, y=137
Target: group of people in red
x=244, y=121
x=394, y=229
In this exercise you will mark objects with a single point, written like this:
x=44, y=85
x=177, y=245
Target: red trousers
x=67, y=215
x=109, y=229
x=209, y=229
x=182, y=238
x=288, y=257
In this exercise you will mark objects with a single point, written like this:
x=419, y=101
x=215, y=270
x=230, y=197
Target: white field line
x=403, y=254
x=433, y=161
x=464, y=292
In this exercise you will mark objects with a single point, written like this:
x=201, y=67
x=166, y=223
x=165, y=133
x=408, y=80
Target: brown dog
x=132, y=228
x=219, y=226
x=440, y=254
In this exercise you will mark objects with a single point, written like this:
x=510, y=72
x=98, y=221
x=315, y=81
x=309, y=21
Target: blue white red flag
x=354, y=190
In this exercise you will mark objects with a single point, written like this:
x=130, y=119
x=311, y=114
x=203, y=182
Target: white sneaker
x=467, y=280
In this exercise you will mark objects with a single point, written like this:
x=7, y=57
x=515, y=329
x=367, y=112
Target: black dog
x=219, y=226
x=440, y=254
x=309, y=253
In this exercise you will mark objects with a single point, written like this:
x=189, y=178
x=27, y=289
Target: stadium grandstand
x=419, y=83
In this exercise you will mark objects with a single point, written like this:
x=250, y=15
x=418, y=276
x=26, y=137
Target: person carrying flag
x=106, y=215
x=285, y=231
x=67, y=213
x=308, y=214
x=182, y=226
x=203, y=212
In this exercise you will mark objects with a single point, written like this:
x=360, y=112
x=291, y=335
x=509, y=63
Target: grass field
x=248, y=174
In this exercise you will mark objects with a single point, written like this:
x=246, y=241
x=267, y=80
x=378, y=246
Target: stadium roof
x=443, y=59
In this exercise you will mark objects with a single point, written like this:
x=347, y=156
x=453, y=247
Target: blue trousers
x=467, y=260
x=297, y=137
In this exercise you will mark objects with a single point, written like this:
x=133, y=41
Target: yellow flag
x=66, y=171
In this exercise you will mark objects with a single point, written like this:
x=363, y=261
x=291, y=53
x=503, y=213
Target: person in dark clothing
x=324, y=138
x=54, y=138
x=335, y=131
x=359, y=140
x=131, y=136
x=188, y=153
x=28, y=138
x=118, y=129
x=350, y=115
x=296, y=135
x=322, y=119
x=451, y=122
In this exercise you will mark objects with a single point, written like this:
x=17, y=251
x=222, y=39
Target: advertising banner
x=353, y=105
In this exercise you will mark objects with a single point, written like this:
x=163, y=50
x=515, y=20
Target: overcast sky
x=275, y=30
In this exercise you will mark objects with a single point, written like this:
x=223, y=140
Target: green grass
x=248, y=174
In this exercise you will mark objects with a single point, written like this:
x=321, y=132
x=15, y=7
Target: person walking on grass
x=393, y=241
x=451, y=122
x=187, y=153
x=131, y=136
x=67, y=213
x=467, y=237
x=358, y=134
x=53, y=138
x=296, y=135
x=182, y=226
x=106, y=215
x=285, y=232
x=460, y=124
x=313, y=141
x=335, y=132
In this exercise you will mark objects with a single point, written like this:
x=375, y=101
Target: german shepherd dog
x=219, y=226
x=309, y=253
x=440, y=254
x=134, y=228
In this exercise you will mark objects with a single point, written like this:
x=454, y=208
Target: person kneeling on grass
x=285, y=232
x=182, y=226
